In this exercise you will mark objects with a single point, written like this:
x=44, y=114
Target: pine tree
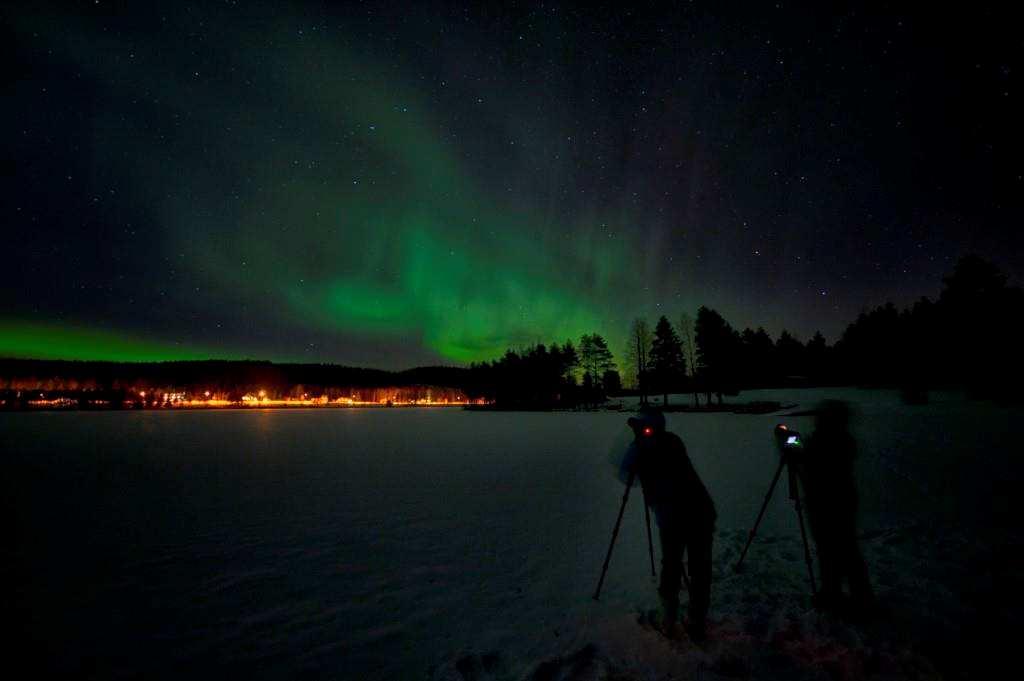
x=595, y=359
x=791, y=354
x=690, y=352
x=817, y=357
x=570, y=361
x=666, y=358
x=636, y=355
x=718, y=350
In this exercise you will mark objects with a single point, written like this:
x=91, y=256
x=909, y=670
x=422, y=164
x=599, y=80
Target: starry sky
x=403, y=184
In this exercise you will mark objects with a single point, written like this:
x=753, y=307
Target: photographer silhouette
x=830, y=492
x=685, y=515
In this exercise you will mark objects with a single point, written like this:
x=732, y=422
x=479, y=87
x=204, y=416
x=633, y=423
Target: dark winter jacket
x=671, y=486
x=826, y=471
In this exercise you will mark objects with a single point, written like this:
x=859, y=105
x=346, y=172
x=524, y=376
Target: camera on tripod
x=791, y=448
x=787, y=439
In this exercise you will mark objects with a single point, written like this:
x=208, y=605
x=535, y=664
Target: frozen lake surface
x=419, y=543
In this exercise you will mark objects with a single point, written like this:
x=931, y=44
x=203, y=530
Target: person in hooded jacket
x=685, y=515
x=827, y=476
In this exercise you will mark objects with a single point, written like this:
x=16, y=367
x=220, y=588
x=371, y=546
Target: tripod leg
x=807, y=548
x=650, y=542
x=615, y=533
x=760, y=515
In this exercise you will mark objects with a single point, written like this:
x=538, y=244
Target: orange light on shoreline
x=171, y=397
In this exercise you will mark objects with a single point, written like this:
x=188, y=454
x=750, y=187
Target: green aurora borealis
x=408, y=184
x=374, y=230
x=43, y=341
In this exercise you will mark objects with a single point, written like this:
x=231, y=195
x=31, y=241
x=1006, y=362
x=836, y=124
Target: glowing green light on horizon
x=421, y=253
x=380, y=230
x=27, y=340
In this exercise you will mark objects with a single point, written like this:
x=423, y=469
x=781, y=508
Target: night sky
x=393, y=186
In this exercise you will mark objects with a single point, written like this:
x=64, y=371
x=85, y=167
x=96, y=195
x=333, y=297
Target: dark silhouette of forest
x=964, y=339
x=542, y=377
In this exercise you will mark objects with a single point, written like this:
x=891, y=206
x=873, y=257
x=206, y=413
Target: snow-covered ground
x=940, y=500
x=445, y=544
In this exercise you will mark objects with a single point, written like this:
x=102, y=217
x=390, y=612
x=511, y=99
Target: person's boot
x=696, y=629
x=668, y=618
x=830, y=602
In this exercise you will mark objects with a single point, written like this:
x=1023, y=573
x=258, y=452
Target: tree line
x=965, y=338
x=543, y=377
x=704, y=357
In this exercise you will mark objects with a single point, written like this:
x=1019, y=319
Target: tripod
x=794, y=494
x=615, y=534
